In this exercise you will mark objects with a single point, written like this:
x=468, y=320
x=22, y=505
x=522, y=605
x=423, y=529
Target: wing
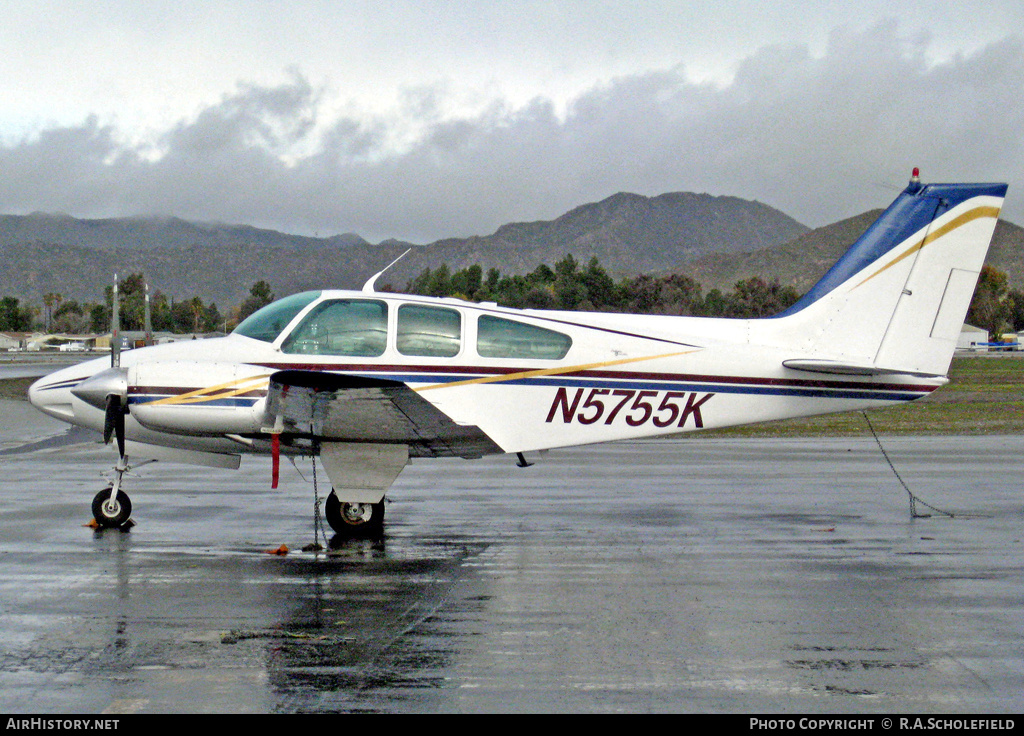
x=342, y=408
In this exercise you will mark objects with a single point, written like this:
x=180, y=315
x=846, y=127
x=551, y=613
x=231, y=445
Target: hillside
x=803, y=261
x=629, y=233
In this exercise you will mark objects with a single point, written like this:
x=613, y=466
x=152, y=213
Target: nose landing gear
x=111, y=509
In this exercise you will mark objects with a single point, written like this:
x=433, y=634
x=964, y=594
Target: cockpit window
x=267, y=323
x=506, y=338
x=356, y=327
x=430, y=331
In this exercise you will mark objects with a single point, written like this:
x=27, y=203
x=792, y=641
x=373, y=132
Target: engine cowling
x=186, y=397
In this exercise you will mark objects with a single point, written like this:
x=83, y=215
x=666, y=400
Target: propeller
x=116, y=404
x=108, y=389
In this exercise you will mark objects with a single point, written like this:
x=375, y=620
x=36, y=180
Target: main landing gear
x=354, y=519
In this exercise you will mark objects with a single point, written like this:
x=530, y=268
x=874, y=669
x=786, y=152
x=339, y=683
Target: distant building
x=10, y=340
x=972, y=340
x=19, y=340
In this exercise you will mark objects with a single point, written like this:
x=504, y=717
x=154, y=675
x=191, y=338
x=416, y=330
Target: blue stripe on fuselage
x=737, y=385
x=890, y=393
x=234, y=401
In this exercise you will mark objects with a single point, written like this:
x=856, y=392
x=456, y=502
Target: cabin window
x=506, y=338
x=267, y=323
x=354, y=327
x=429, y=331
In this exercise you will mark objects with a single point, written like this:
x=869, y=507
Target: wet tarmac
x=742, y=576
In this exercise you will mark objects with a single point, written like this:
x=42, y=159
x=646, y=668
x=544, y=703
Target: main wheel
x=354, y=519
x=111, y=515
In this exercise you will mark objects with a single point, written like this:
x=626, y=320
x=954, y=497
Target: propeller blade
x=109, y=417
x=113, y=422
x=119, y=434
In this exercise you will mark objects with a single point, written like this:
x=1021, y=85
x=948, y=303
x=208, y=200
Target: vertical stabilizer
x=897, y=299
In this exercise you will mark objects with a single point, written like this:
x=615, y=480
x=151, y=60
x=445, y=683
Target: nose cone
x=95, y=389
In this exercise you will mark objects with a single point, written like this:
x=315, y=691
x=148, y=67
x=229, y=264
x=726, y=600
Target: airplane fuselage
x=620, y=377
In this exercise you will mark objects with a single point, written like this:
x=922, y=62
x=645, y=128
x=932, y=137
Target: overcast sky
x=420, y=120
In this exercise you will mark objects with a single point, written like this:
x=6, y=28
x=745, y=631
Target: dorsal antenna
x=368, y=287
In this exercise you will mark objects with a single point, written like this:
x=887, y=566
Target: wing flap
x=332, y=407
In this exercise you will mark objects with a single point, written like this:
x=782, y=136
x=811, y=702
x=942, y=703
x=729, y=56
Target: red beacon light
x=915, y=181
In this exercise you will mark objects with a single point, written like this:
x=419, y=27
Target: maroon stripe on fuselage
x=607, y=375
x=178, y=390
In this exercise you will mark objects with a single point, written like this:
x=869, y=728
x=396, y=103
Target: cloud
x=820, y=137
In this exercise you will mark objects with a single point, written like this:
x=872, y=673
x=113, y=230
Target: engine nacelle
x=186, y=397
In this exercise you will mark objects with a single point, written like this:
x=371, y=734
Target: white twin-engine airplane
x=368, y=380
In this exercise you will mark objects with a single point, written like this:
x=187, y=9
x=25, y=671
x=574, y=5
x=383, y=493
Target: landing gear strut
x=354, y=519
x=111, y=508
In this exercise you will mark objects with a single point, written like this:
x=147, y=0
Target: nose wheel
x=111, y=510
x=354, y=519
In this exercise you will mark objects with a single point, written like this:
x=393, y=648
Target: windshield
x=267, y=323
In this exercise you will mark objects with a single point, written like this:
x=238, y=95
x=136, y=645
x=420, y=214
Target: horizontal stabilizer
x=850, y=369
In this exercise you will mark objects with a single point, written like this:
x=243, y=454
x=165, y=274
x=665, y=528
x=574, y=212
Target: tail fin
x=896, y=301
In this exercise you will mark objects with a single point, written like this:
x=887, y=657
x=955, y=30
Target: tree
x=260, y=296
x=467, y=283
x=50, y=301
x=160, y=308
x=99, y=318
x=69, y=317
x=567, y=286
x=440, y=282
x=600, y=287
x=132, y=297
x=1016, y=300
x=753, y=298
x=990, y=309
x=14, y=317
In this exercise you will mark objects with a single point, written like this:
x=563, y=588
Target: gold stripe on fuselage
x=241, y=386
x=226, y=391
x=504, y=377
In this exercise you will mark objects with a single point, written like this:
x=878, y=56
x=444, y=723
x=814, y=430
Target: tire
x=354, y=519
x=111, y=518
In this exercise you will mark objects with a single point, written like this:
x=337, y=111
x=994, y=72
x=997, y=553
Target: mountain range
x=716, y=239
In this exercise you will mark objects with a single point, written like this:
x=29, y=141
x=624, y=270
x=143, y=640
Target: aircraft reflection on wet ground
x=703, y=575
